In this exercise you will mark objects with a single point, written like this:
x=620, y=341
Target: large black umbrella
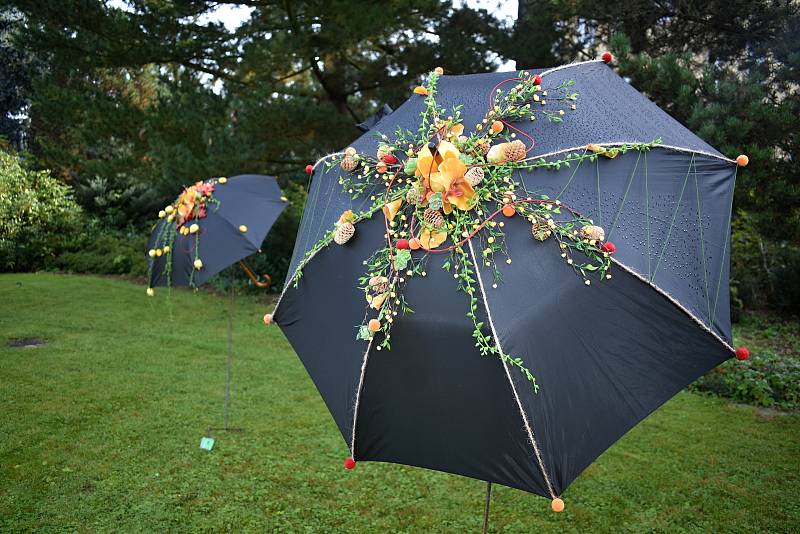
x=580, y=282
x=210, y=226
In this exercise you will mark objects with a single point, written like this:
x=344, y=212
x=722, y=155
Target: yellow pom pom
x=194, y=228
x=158, y=252
x=557, y=505
x=162, y=214
x=198, y=264
x=222, y=180
x=151, y=253
x=243, y=228
x=168, y=209
x=166, y=249
x=150, y=291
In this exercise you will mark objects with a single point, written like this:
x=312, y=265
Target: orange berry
x=742, y=160
x=439, y=70
x=509, y=210
x=381, y=167
x=557, y=505
x=374, y=325
x=420, y=90
x=497, y=126
x=414, y=243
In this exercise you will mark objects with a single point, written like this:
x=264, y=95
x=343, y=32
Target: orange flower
x=444, y=173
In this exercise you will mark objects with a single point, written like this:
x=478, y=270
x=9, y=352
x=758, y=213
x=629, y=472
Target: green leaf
x=401, y=259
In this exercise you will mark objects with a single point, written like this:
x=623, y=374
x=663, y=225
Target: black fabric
x=251, y=200
x=604, y=355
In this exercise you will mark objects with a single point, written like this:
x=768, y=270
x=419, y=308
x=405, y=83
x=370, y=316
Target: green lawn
x=100, y=432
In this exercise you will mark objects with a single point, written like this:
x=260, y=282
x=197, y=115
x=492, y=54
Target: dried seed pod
x=540, y=229
x=474, y=176
x=343, y=233
x=515, y=150
x=483, y=145
x=593, y=232
x=414, y=196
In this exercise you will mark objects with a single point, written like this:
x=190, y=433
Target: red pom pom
x=402, y=244
x=537, y=80
x=607, y=57
x=349, y=463
x=390, y=159
x=309, y=169
x=742, y=353
x=608, y=247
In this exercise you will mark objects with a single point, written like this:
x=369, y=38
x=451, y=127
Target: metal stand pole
x=225, y=426
x=486, y=508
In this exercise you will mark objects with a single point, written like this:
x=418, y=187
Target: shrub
x=37, y=215
x=98, y=250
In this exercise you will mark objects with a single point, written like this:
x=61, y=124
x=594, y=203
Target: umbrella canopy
x=567, y=290
x=210, y=226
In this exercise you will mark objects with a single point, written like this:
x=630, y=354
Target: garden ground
x=100, y=431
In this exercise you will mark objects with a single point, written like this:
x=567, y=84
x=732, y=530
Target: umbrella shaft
x=486, y=508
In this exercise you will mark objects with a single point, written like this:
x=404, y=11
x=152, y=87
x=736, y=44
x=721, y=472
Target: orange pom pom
x=509, y=210
x=414, y=243
x=439, y=70
x=420, y=90
x=267, y=318
x=557, y=505
x=497, y=126
x=381, y=167
x=742, y=160
x=374, y=325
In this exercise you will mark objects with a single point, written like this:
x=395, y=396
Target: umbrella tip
x=742, y=160
x=607, y=57
x=309, y=168
x=349, y=463
x=557, y=505
x=439, y=70
x=742, y=353
x=268, y=319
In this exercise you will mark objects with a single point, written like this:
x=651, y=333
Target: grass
x=100, y=432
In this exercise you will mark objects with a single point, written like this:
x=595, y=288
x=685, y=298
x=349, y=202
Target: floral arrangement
x=443, y=188
x=191, y=205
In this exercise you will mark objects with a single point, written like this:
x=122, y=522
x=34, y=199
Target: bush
x=37, y=216
x=97, y=250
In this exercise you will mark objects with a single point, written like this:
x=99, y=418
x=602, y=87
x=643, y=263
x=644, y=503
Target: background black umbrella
x=210, y=226
x=604, y=356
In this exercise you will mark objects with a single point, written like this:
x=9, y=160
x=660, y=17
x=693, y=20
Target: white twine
x=527, y=423
x=619, y=143
x=358, y=398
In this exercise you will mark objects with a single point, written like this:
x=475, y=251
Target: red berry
x=607, y=57
x=349, y=463
x=742, y=353
x=537, y=80
x=403, y=244
x=390, y=159
x=608, y=247
x=309, y=169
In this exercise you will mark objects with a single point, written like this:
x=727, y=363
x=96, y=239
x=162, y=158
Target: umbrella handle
x=253, y=278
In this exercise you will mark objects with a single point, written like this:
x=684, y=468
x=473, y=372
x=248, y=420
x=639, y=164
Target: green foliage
x=771, y=376
x=98, y=250
x=37, y=215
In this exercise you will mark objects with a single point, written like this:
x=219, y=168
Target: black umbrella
x=577, y=276
x=210, y=226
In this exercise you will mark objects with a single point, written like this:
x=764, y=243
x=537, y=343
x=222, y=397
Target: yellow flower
x=431, y=239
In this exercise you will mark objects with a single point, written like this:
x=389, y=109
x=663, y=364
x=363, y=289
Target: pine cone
x=514, y=151
x=483, y=145
x=349, y=163
x=378, y=284
x=343, y=233
x=474, y=176
x=433, y=218
x=413, y=196
x=540, y=229
x=593, y=232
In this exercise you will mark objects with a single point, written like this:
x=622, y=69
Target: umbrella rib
x=618, y=143
x=528, y=426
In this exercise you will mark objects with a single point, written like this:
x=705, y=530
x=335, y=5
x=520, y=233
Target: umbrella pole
x=226, y=406
x=486, y=508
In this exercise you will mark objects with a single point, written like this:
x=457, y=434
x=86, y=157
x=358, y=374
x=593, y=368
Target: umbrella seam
x=675, y=302
x=358, y=398
x=527, y=424
x=618, y=143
